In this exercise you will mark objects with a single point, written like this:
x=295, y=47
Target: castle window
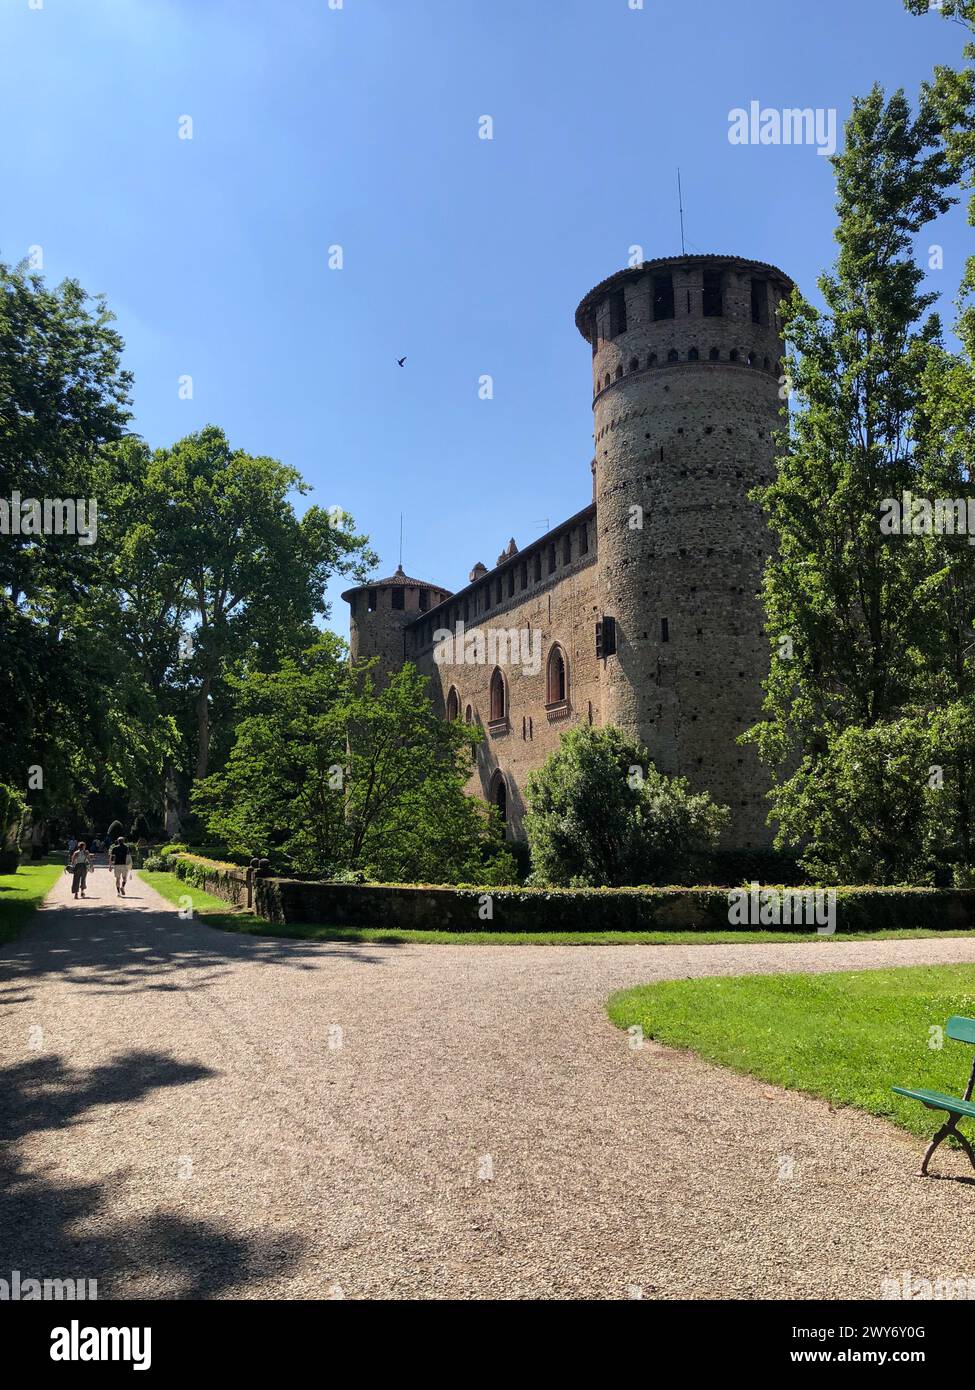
x=733, y=355
x=424, y=600
x=583, y=539
x=567, y=550
x=511, y=582
x=634, y=364
x=673, y=355
x=453, y=704
x=373, y=600
x=714, y=355
x=664, y=630
x=500, y=590
x=399, y=597
x=759, y=301
x=467, y=610
x=469, y=715
x=711, y=298
x=652, y=360
x=752, y=359
x=524, y=574
x=606, y=381
x=552, y=559
x=617, y=313
x=499, y=695
x=663, y=297
x=556, y=678
x=538, y=566
x=693, y=355
x=619, y=371
x=499, y=796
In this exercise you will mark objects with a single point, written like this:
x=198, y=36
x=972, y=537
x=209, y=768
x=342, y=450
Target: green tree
x=863, y=610
x=328, y=773
x=600, y=814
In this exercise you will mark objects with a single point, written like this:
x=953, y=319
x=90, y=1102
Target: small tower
x=686, y=360
x=381, y=610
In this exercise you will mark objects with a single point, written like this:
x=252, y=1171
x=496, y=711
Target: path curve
x=194, y=1114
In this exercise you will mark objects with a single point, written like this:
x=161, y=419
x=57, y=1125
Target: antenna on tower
x=401, y=540
x=680, y=204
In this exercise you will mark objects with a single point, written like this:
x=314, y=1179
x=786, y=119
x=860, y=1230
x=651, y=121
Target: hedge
x=445, y=908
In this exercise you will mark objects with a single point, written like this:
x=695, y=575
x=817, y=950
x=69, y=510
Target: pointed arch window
x=557, y=682
x=499, y=695
x=453, y=704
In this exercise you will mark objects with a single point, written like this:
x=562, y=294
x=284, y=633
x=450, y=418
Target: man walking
x=121, y=862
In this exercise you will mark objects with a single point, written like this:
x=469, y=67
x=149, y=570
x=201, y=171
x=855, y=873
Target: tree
x=600, y=814
x=863, y=610
x=327, y=774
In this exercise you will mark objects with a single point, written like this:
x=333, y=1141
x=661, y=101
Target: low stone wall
x=437, y=908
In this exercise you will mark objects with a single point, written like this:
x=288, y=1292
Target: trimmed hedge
x=440, y=908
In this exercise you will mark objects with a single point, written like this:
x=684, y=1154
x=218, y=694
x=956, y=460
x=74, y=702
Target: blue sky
x=358, y=127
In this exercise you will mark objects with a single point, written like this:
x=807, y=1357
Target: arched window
x=453, y=704
x=693, y=355
x=499, y=695
x=469, y=715
x=634, y=364
x=557, y=681
x=606, y=381
x=619, y=371
x=673, y=355
x=714, y=355
x=499, y=796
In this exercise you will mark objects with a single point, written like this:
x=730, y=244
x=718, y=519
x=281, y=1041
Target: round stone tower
x=380, y=612
x=686, y=355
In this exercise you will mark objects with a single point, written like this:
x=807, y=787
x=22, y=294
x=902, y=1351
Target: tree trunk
x=203, y=727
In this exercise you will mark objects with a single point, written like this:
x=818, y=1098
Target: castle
x=642, y=609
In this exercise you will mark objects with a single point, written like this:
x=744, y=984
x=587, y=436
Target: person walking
x=80, y=864
x=72, y=846
x=120, y=859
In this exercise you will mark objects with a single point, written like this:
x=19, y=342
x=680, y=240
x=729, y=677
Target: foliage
x=329, y=773
x=601, y=814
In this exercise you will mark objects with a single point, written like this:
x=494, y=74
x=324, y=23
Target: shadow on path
x=124, y=946
x=52, y=1229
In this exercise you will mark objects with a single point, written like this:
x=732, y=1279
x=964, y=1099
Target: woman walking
x=80, y=863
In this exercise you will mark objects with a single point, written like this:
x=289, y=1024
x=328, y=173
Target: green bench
x=962, y=1030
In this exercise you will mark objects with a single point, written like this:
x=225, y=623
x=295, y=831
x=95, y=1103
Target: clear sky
x=358, y=127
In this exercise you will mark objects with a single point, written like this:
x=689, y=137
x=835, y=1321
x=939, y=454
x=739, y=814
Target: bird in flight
x=400, y=361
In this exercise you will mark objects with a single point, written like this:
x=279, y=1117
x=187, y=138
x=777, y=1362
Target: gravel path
x=190, y=1113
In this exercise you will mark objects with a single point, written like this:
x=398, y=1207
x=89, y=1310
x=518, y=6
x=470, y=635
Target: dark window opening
x=399, y=598
x=538, y=566
x=511, y=582
x=567, y=551
x=373, y=600
x=617, y=313
x=673, y=355
x=712, y=298
x=583, y=539
x=498, y=695
x=453, y=704
x=663, y=297
x=556, y=676
x=652, y=360
x=664, y=630
x=759, y=302
x=424, y=600
x=693, y=355
x=733, y=355
x=552, y=559
x=634, y=364
x=714, y=355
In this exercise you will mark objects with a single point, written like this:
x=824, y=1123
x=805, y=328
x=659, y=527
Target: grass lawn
x=846, y=1037
x=220, y=914
x=21, y=892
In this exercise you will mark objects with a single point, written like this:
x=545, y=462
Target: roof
x=398, y=580
x=521, y=555
x=621, y=277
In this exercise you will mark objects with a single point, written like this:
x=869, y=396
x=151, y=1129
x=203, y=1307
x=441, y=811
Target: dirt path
x=191, y=1113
